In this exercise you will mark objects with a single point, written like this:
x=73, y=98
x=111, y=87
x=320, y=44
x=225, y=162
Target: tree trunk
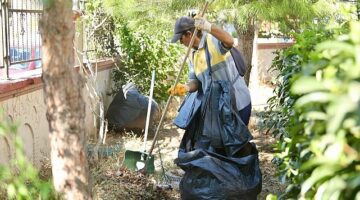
x=358, y=10
x=64, y=101
x=245, y=45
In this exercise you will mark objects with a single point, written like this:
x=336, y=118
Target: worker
x=223, y=67
x=216, y=154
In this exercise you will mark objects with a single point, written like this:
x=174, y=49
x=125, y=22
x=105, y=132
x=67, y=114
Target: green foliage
x=187, y=4
x=149, y=16
x=290, y=15
x=138, y=37
x=282, y=118
x=48, y=3
x=19, y=179
x=331, y=111
x=293, y=15
x=314, y=117
x=141, y=54
x=271, y=197
x=99, y=31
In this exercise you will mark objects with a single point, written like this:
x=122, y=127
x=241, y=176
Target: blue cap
x=182, y=24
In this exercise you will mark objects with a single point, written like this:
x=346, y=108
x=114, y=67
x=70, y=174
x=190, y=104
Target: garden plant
x=19, y=179
x=315, y=114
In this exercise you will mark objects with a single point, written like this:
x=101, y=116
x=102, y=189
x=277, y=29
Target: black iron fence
x=21, y=42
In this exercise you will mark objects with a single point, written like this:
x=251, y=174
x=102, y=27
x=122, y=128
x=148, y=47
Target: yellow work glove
x=179, y=90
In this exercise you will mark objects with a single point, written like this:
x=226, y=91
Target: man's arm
x=226, y=39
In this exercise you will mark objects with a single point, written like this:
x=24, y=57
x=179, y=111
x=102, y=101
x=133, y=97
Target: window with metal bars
x=21, y=42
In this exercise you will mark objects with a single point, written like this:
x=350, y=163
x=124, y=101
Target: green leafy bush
x=142, y=53
x=140, y=42
x=313, y=117
x=19, y=179
x=329, y=105
x=281, y=117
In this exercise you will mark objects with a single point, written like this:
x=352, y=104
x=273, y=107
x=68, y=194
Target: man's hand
x=202, y=24
x=179, y=90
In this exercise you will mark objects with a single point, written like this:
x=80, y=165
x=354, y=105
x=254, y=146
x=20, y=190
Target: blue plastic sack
x=187, y=110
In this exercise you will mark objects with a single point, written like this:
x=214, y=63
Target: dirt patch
x=113, y=182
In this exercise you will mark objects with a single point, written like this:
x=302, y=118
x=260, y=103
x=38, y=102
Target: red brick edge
x=273, y=45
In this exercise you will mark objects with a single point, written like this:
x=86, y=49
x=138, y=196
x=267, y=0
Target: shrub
x=19, y=179
x=329, y=106
x=283, y=119
x=142, y=53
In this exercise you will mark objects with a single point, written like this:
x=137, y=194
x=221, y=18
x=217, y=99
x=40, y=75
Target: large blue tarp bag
x=216, y=154
x=187, y=110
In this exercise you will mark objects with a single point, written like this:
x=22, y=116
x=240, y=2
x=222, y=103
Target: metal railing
x=21, y=42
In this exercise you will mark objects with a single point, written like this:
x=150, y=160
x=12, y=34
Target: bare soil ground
x=112, y=181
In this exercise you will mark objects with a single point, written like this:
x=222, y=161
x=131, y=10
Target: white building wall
x=263, y=63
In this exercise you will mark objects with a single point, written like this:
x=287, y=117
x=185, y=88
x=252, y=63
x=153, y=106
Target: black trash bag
x=129, y=108
x=210, y=175
x=215, y=152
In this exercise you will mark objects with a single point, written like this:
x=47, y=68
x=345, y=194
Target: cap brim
x=176, y=37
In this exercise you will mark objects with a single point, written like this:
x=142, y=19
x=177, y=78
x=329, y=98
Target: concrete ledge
x=29, y=81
